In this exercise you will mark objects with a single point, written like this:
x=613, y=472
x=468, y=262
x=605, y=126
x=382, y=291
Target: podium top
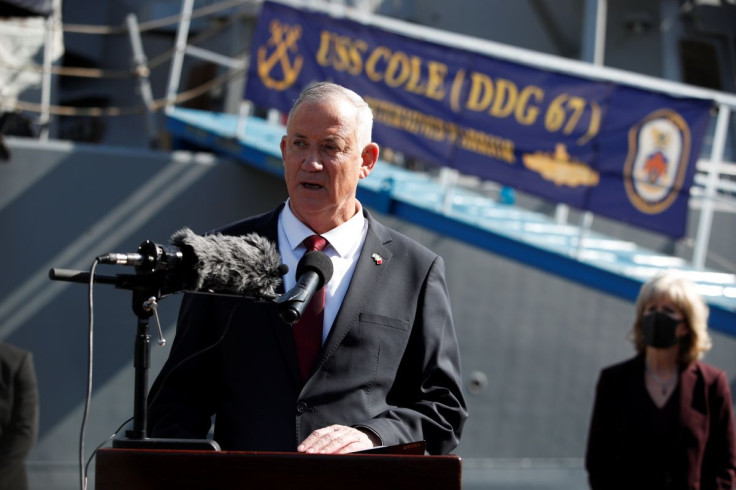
x=416, y=448
x=143, y=469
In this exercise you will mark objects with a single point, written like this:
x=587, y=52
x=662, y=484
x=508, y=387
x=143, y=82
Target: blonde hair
x=684, y=295
x=324, y=91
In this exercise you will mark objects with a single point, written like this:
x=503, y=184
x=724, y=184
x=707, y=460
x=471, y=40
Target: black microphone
x=247, y=265
x=150, y=257
x=313, y=272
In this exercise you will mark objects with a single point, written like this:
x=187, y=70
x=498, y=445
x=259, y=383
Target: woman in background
x=18, y=415
x=664, y=419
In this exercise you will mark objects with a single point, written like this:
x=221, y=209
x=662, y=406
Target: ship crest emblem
x=656, y=165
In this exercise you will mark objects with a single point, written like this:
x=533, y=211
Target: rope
x=156, y=105
x=154, y=24
x=197, y=91
x=119, y=74
x=71, y=71
x=166, y=55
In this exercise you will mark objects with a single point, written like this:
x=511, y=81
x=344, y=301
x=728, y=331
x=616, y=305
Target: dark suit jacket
x=390, y=363
x=18, y=415
x=704, y=449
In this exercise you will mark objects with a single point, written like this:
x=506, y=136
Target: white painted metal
x=178, y=60
x=140, y=62
x=706, y=213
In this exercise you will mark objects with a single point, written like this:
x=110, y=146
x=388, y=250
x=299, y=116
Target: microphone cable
x=88, y=395
x=109, y=438
x=83, y=468
x=196, y=353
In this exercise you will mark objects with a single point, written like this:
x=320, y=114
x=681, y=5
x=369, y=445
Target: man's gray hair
x=322, y=91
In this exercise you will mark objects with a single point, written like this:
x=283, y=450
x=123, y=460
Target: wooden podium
x=143, y=469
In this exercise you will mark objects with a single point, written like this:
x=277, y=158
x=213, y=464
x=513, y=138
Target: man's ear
x=370, y=157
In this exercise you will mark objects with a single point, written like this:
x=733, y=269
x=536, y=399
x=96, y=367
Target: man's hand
x=337, y=439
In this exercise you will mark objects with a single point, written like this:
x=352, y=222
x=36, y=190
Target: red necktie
x=308, y=330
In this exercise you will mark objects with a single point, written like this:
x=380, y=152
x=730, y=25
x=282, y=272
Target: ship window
x=699, y=61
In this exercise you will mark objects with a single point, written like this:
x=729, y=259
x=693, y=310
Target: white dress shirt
x=345, y=243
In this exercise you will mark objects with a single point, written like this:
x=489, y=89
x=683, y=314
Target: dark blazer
x=703, y=449
x=390, y=363
x=18, y=415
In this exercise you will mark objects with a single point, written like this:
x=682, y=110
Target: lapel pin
x=377, y=259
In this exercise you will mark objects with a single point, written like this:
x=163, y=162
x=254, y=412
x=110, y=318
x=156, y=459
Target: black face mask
x=659, y=330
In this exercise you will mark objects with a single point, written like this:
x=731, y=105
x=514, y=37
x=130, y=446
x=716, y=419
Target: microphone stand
x=146, y=287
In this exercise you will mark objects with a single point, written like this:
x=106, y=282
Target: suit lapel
x=693, y=406
x=267, y=226
x=368, y=273
x=285, y=340
x=688, y=378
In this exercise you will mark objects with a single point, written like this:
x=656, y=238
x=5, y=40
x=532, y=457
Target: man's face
x=323, y=162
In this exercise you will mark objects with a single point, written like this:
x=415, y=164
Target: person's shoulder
x=715, y=382
x=11, y=354
x=711, y=374
x=11, y=349
x=249, y=224
x=398, y=240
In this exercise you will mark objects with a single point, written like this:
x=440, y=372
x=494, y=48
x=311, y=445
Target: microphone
x=122, y=259
x=150, y=257
x=313, y=272
x=247, y=265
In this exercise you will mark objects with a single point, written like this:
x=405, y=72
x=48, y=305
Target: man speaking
x=373, y=360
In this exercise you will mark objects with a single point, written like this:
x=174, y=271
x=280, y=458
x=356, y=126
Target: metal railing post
x=245, y=110
x=700, y=250
x=594, y=50
x=180, y=47
x=140, y=64
x=48, y=51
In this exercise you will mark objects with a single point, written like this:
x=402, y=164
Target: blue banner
x=617, y=151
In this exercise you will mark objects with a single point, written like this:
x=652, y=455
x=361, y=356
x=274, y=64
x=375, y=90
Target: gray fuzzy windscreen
x=245, y=265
